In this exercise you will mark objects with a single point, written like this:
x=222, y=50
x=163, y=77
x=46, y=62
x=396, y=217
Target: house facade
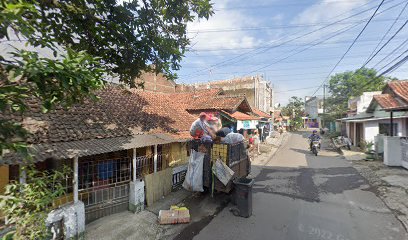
x=367, y=119
x=112, y=145
x=127, y=149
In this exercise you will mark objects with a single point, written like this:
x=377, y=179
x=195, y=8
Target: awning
x=66, y=150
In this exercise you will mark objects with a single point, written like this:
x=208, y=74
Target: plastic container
x=243, y=196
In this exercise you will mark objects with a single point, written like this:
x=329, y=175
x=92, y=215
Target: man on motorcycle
x=314, y=137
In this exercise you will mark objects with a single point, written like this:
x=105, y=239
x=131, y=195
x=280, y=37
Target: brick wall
x=156, y=83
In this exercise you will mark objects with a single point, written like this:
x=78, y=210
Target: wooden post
x=134, y=164
x=392, y=124
x=75, y=179
x=155, y=158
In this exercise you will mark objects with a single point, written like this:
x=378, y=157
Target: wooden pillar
x=75, y=179
x=155, y=158
x=134, y=164
x=392, y=124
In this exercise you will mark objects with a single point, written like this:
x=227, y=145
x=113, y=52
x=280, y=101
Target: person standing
x=257, y=141
x=199, y=128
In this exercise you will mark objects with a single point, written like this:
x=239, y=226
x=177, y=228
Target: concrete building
x=360, y=104
x=313, y=109
x=370, y=118
x=153, y=82
x=256, y=89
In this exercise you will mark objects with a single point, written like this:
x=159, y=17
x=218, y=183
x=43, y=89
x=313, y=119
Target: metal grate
x=144, y=165
x=94, y=173
x=178, y=179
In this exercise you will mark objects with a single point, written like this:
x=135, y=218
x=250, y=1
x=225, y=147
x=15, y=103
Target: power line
x=217, y=30
x=294, y=68
x=291, y=40
x=298, y=89
x=349, y=48
x=276, y=4
x=385, y=44
x=253, y=52
x=386, y=33
x=395, y=59
x=391, y=53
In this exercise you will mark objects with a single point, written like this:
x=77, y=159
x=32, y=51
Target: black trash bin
x=243, y=196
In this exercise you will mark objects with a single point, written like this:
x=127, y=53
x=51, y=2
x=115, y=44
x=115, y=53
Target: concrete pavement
x=300, y=196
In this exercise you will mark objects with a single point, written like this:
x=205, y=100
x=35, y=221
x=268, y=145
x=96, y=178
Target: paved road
x=300, y=196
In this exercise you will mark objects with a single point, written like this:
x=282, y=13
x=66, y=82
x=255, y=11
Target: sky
x=290, y=42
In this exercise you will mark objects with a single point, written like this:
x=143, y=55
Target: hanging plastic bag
x=222, y=172
x=194, y=176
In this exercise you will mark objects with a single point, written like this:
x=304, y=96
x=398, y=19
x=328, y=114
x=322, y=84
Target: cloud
x=323, y=12
x=325, y=9
x=202, y=32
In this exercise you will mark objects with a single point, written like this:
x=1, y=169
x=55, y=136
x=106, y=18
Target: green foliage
x=127, y=37
x=295, y=110
x=89, y=40
x=344, y=86
x=65, y=81
x=28, y=204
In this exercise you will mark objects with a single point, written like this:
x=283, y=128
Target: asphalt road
x=300, y=196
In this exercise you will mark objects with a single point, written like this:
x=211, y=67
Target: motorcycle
x=315, y=146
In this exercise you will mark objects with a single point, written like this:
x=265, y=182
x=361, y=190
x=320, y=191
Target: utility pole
x=324, y=104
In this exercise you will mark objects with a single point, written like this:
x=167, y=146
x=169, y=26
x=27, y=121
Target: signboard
x=247, y=124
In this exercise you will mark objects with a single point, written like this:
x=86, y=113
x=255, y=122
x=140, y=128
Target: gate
x=104, y=184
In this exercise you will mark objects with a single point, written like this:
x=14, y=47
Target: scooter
x=315, y=146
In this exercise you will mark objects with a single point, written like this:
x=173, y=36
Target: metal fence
x=103, y=183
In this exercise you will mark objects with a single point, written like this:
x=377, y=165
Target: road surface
x=299, y=196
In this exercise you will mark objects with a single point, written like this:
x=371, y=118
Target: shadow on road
x=301, y=150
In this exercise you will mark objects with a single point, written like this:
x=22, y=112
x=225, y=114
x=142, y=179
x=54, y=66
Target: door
x=104, y=185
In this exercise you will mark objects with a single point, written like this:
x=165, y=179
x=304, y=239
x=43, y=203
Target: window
x=385, y=128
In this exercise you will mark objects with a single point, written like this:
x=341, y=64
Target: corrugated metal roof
x=66, y=150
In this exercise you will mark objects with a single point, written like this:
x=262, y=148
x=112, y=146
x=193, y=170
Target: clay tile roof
x=387, y=101
x=119, y=112
x=400, y=88
x=242, y=116
x=260, y=113
x=217, y=103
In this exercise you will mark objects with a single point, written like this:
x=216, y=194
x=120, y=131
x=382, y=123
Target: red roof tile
x=260, y=113
x=242, y=116
x=387, y=101
x=119, y=112
x=400, y=88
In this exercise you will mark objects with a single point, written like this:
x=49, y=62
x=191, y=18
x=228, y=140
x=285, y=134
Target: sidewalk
x=144, y=225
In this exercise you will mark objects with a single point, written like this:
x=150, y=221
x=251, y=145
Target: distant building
x=153, y=82
x=360, y=104
x=313, y=110
x=257, y=90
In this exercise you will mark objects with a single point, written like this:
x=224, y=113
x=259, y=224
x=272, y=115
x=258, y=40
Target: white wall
x=371, y=130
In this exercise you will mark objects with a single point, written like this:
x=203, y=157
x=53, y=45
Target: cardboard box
x=174, y=216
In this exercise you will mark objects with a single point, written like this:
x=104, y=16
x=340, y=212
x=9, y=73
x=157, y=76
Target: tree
x=344, y=86
x=295, y=110
x=90, y=40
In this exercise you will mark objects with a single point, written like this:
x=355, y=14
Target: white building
x=372, y=118
x=313, y=108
